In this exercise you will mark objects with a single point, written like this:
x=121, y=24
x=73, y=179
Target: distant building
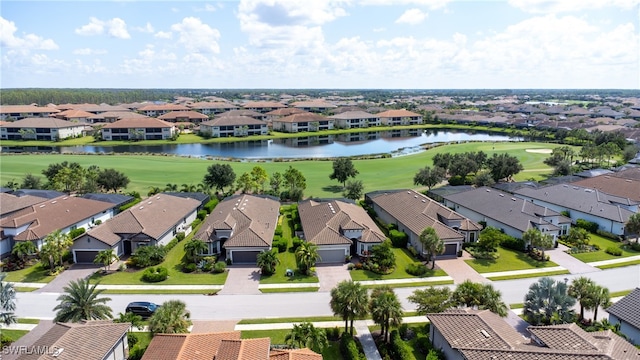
x=49, y=129
x=138, y=129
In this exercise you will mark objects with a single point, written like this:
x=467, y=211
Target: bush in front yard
x=587, y=225
x=613, y=251
x=417, y=269
x=155, y=274
x=202, y=214
x=208, y=207
x=189, y=268
x=219, y=267
x=400, y=349
x=148, y=256
x=398, y=238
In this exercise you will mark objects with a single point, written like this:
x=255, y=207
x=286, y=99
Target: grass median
x=403, y=258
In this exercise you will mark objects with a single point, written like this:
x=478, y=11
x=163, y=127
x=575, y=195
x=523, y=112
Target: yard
x=600, y=255
x=419, y=330
x=32, y=274
x=509, y=260
x=403, y=258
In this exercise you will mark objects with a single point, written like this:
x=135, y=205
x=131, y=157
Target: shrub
x=456, y=180
x=467, y=245
x=122, y=267
x=189, y=268
x=296, y=243
x=423, y=345
x=587, y=225
x=413, y=251
x=155, y=274
x=76, y=232
x=98, y=222
x=417, y=269
x=148, y=256
x=351, y=266
x=479, y=254
x=349, y=349
x=512, y=243
x=195, y=223
x=635, y=246
x=392, y=227
x=220, y=266
x=202, y=214
x=333, y=334
x=398, y=238
x=180, y=236
x=136, y=353
x=399, y=348
x=608, y=235
x=278, y=231
x=171, y=244
x=613, y=251
x=403, y=330
x=537, y=255
x=280, y=244
x=208, y=207
x=359, y=266
x=228, y=261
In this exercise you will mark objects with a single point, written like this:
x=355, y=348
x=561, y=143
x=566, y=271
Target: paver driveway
x=330, y=275
x=75, y=272
x=242, y=280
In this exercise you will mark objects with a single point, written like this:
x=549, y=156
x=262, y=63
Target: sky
x=321, y=44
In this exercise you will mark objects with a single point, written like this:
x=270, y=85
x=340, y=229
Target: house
x=226, y=126
x=112, y=116
x=160, y=109
x=40, y=129
x=399, y=117
x=154, y=221
x=340, y=228
x=306, y=121
x=96, y=339
x=212, y=108
x=117, y=200
x=626, y=312
x=72, y=115
x=243, y=112
x=138, y=129
x=280, y=113
x=19, y=112
x=355, y=119
x=480, y=335
x=11, y=203
x=200, y=196
x=608, y=211
x=625, y=188
x=412, y=212
x=263, y=106
x=63, y=213
x=316, y=106
x=508, y=213
x=242, y=226
x=184, y=116
x=220, y=346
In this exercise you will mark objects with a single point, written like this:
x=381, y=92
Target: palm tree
x=538, y=240
x=601, y=298
x=188, y=188
x=106, y=257
x=349, y=300
x=193, y=248
x=154, y=190
x=385, y=309
x=129, y=317
x=81, y=302
x=307, y=256
x=633, y=226
x=23, y=248
x=548, y=302
x=7, y=302
x=267, y=261
x=171, y=317
x=582, y=289
x=307, y=335
x=55, y=244
x=431, y=244
x=171, y=187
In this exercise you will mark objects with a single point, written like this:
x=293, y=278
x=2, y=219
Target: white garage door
x=331, y=256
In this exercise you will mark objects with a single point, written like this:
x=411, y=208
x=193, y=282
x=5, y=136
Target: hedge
x=76, y=232
x=349, y=349
x=399, y=348
x=398, y=238
x=208, y=207
x=417, y=269
x=155, y=274
x=587, y=225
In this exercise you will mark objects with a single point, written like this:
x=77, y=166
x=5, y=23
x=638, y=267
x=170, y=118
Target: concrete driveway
x=74, y=273
x=575, y=266
x=331, y=275
x=459, y=270
x=242, y=280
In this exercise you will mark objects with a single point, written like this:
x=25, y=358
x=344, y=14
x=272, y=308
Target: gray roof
x=627, y=309
x=202, y=197
x=48, y=194
x=594, y=172
x=117, y=199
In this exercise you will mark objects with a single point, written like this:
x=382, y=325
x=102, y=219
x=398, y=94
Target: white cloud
x=380, y=29
x=429, y=4
x=9, y=39
x=89, y=51
x=559, y=6
x=148, y=28
x=115, y=27
x=412, y=17
x=196, y=36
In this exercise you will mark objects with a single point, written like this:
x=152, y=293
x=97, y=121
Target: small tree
x=219, y=176
x=112, y=179
x=171, y=317
x=431, y=300
x=193, y=248
x=24, y=248
x=349, y=300
x=81, y=302
x=548, y=303
x=307, y=335
x=267, y=261
x=383, y=255
x=353, y=189
x=480, y=296
x=538, y=240
x=7, y=302
x=106, y=257
x=343, y=169
x=55, y=244
x=582, y=290
x=578, y=237
x=429, y=177
x=307, y=256
x=431, y=244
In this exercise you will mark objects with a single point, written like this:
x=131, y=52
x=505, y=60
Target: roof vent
x=501, y=195
x=565, y=185
x=57, y=352
x=141, y=207
x=488, y=190
x=65, y=198
x=514, y=199
x=485, y=333
x=149, y=203
x=42, y=205
x=424, y=201
x=157, y=197
x=54, y=201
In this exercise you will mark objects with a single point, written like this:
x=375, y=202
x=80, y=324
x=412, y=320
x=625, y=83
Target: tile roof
x=48, y=216
x=246, y=349
x=396, y=113
x=313, y=104
x=25, y=109
x=49, y=123
x=203, y=346
x=212, y=105
x=628, y=308
x=285, y=112
x=303, y=117
x=10, y=202
x=138, y=122
x=153, y=217
x=294, y=354
x=163, y=107
x=324, y=222
x=358, y=114
x=418, y=212
x=232, y=120
x=73, y=114
x=173, y=115
x=116, y=115
x=87, y=340
x=626, y=188
x=253, y=219
x=241, y=112
x=262, y=104
x=630, y=173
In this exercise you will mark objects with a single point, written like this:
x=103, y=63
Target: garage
x=450, y=249
x=244, y=257
x=331, y=256
x=85, y=256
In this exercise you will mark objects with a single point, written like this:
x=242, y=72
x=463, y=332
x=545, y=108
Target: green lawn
x=277, y=337
x=403, y=258
x=160, y=291
x=286, y=290
x=509, y=260
x=28, y=321
x=626, y=263
x=172, y=263
x=146, y=171
x=14, y=334
x=411, y=284
x=290, y=320
x=603, y=243
x=32, y=274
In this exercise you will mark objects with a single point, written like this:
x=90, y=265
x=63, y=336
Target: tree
x=193, y=248
x=275, y=182
x=483, y=178
x=538, y=240
x=81, y=302
x=582, y=290
x=431, y=244
x=429, y=176
x=503, y=166
x=601, y=298
x=490, y=238
x=24, y=248
x=31, y=181
x=307, y=335
x=431, y=300
x=106, y=257
x=385, y=309
x=353, y=189
x=294, y=179
x=69, y=179
x=7, y=302
x=349, y=300
x=55, y=244
x=171, y=317
x=548, y=302
x=343, y=169
x=171, y=187
x=267, y=261
x=633, y=225
x=480, y=296
x=129, y=317
x=578, y=237
x=245, y=183
x=442, y=161
x=383, y=255
x=219, y=176
x=307, y=256
x=259, y=177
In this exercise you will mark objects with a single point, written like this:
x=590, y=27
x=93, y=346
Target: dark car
x=142, y=308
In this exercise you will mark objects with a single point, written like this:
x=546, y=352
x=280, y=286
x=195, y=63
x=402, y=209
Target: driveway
x=459, y=270
x=242, y=280
x=74, y=273
x=330, y=275
x=575, y=266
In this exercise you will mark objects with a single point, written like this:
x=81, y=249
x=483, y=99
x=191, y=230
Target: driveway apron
x=242, y=280
x=459, y=270
x=330, y=275
x=74, y=273
x=575, y=266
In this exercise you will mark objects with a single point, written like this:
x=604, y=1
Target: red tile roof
x=303, y=117
x=50, y=123
x=187, y=346
x=397, y=113
x=173, y=115
x=145, y=122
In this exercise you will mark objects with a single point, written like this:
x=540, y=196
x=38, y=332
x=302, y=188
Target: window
x=74, y=227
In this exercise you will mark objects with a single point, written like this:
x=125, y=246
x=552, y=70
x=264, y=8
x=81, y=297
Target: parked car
x=142, y=308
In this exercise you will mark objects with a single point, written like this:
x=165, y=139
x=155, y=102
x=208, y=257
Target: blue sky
x=412, y=44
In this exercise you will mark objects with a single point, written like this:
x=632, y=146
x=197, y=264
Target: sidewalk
x=523, y=272
x=615, y=261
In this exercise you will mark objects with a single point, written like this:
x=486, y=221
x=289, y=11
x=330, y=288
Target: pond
x=395, y=142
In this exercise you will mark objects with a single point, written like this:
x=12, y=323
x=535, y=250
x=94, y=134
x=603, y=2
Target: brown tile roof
x=88, y=340
x=630, y=173
x=627, y=188
x=48, y=216
x=142, y=122
x=241, y=112
x=73, y=114
x=233, y=121
x=26, y=109
x=285, y=112
x=323, y=222
x=253, y=220
x=173, y=115
x=357, y=114
x=50, y=123
x=10, y=203
x=187, y=346
x=303, y=117
x=163, y=107
x=313, y=104
x=294, y=354
x=117, y=115
x=247, y=349
x=212, y=105
x=262, y=104
x=396, y=113
x=627, y=309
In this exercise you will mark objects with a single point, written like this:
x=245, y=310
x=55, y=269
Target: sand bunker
x=539, y=151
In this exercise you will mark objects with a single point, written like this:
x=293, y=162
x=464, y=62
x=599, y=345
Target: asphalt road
x=234, y=307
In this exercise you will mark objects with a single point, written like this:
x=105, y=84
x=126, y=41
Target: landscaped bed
x=32, y=274
x=403, y=258
x=509, y=260
x=604, y=243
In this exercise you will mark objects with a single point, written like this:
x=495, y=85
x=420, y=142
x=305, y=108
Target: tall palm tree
x=7, y=302
x=307, y=256
x=106, y=257
x=582, y=289
x=548, y=302
x=267, y=261
x=538, y=240
x=23, y=248
x=193, y=248
x=431, y=244
x=55, y=244
x=307, y=335
x=349, y=300
x=171, y=317
x=81, y=302
x=385, y=309
x=171, y=187
x=601, y=298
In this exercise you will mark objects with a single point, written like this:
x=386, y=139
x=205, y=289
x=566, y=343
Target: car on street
x=143, y=308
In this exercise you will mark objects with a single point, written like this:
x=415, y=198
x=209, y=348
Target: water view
x=395, y=142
